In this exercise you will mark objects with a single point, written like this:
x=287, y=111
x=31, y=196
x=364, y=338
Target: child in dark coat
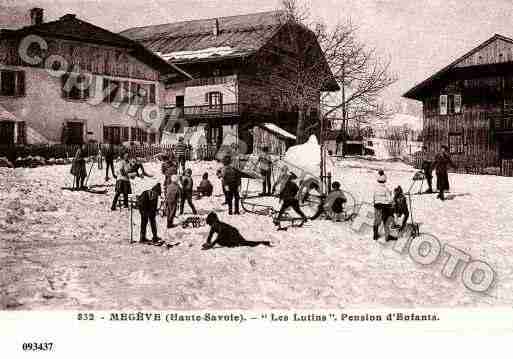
x=205, y=188
x=288, y=196
x=147, y=204
x=400, y=206
x=231, y=183
x=172, y=195
x=335, y=201
x=227, y=235
x=187, y=185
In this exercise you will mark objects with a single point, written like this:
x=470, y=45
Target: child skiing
x=227, y=235
x=147, y=204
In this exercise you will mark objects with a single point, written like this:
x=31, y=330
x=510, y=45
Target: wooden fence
x=145, y=151
x=484, y=163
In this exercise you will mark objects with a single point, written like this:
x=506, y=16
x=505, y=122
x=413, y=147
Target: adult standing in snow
x=147, y=204
x=382, y=200
x=180, y=151
x=441, y=164
x=123, y=183
x=265, y=164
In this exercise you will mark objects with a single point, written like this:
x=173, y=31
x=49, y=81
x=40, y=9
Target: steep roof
x=195, y=40
x=415, y=92
x=71, y=28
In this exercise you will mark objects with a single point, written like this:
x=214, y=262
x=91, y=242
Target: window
x=152, y=137
x=75, y=86
x=450, y=104
x=152, y=94
x=443, y=104
x=112, y=90
x=125, y=134
x=22, y=133
x=12, y=83
x=456, y=143
x=214, y=99
x=133, y=134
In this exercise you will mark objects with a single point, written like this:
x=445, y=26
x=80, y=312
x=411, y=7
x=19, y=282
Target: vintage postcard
x=239, y=164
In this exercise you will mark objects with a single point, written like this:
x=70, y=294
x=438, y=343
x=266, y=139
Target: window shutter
x=457, y=103
x=152, y=94
x=443, y=104
x=64, y=79
x=21, y=83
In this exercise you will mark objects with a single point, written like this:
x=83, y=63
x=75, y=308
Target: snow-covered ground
x=67, y=250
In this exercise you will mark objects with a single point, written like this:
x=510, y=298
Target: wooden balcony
x=213, y=111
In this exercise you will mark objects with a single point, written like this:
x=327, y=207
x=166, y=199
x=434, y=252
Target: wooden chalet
x=241, y=72
x=71, y=81
x=468, y=105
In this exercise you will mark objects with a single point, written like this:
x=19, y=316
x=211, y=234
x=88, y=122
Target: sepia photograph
x=236, y=156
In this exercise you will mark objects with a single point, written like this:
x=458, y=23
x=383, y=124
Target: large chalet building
x=243, y=80
x=468, y=105
x=73, y=82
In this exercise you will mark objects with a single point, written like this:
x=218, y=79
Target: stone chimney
x=215, y=27
x=36, y=16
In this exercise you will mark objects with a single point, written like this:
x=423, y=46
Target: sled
x=194, y=221
x=87, y=189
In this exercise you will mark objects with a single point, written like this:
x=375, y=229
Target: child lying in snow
x=227, y=236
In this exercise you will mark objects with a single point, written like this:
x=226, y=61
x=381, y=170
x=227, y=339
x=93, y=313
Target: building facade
x=68, y=81
x=468, y=105
x=243, y=71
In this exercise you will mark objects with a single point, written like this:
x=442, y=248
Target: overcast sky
x=420, y=36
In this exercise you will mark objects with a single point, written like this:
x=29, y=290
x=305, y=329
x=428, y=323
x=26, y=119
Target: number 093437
x=37, y=347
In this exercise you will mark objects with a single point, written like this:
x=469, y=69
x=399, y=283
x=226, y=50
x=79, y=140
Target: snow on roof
x=198, y=54
x=6, y=115
x=278, y=130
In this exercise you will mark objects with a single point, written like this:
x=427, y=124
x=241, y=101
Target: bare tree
x=360, y=73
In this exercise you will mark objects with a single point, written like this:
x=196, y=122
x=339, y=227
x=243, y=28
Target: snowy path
x=64, y=250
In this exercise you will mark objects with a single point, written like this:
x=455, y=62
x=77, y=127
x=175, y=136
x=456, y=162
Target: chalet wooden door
x=6, y=133
x=75, y=132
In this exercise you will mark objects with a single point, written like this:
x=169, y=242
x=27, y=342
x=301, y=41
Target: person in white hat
x=382, y=200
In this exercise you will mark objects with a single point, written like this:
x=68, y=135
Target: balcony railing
x=210, y=111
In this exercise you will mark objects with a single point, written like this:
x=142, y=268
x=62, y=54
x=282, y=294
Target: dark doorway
x=179, y=101
x=74, y=133
x=506, y=146
x=7, y=133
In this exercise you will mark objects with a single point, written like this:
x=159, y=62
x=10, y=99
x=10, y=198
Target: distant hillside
x=400, y=119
